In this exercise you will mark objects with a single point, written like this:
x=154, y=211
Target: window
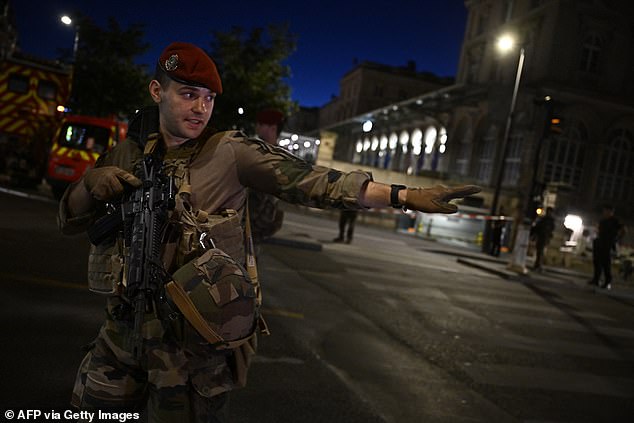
x=590, y=52
x=18, y=83
x=47, y=90
x=512, y=166
x=508, y=11
x=84, y=137
x=616, y=170
x=564, y=163
x=485, y=162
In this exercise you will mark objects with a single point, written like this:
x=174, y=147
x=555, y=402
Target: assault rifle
x=144, y=217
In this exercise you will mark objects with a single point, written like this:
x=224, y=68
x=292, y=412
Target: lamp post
x=66, y=20
x=505, y=44
x=520, y=248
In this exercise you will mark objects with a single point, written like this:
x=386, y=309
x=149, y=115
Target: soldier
x=266, y=216
x=177, y=377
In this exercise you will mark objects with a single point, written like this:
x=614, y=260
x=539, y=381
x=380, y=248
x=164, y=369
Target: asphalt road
x=380, y=330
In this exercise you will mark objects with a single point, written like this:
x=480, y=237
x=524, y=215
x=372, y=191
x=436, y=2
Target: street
x=385, y=329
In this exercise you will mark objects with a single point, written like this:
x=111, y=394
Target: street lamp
x=66, y=20
x=505, y=44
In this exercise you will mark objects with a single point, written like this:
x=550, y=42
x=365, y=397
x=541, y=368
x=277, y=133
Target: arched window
x=403, y=140
x=487, y=155
x=374, y=145
x=566, y=153
x=394, y=153
x=417, y=148
x=513, y=162
x=437, y=162
x=357, y=152
x=590, y=52
x=616, y=170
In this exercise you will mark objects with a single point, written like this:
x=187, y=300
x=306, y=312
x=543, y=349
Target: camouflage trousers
x=177, y=379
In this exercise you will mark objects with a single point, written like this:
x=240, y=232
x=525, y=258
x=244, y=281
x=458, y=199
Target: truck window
x=84, y=137
x=18, y=83
x=47, y=90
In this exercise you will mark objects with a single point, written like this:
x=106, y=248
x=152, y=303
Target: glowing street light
x=66, y=20
x=367, y=126
x=506, y=43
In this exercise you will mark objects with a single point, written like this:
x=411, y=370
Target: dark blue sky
x=331, y=34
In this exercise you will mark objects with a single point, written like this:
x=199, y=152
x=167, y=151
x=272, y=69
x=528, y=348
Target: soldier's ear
x=155, y=90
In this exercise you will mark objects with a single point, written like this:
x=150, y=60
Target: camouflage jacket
x=228, y=163
x=266, y=217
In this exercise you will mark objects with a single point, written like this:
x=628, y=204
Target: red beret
x=190, y=65
x=270, y=117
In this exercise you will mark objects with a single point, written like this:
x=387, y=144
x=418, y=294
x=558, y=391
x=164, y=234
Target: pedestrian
x=173, y=371
x=610, y=230
x=265, y=213
x=496, y=237
x=346, y=218
x=542, y=232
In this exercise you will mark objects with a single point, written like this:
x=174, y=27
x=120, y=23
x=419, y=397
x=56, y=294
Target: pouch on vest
x=105, y=265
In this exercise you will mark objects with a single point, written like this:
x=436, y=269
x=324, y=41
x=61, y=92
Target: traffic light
x=556, y=125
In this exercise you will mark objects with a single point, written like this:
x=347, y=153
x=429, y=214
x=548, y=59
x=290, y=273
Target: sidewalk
x=551, y=274
x=495, y=265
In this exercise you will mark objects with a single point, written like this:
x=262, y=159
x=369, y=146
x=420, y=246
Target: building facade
x=369, y=86
x=570, y=143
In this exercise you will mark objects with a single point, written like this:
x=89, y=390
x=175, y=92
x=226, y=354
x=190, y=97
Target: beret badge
x=171, y=64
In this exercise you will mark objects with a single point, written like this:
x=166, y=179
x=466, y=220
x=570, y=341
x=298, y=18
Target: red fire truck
x=76, y=146
x=37, y=139
x=33, y=94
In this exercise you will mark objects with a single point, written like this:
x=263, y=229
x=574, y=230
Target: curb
x=501, y=273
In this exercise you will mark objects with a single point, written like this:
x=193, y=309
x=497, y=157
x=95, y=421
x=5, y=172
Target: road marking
x=283, y=313
x=26, y=195
x=42, y=281
x=284, y=360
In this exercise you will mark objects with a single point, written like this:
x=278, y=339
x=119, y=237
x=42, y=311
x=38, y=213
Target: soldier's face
x=184, y=110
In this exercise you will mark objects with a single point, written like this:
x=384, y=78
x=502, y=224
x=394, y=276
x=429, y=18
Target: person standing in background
x=542, y=232
x=346, y=217
x=610, y=231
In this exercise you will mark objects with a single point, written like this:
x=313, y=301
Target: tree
x=253, y=74
x=106, y=80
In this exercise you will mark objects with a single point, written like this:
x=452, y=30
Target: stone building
x=369, y=86
x=578, y=62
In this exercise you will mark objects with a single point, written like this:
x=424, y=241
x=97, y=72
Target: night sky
x=331, y=34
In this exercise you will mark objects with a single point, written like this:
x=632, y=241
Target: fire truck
x=33, y=93
x=76, y=146
x=37, y=138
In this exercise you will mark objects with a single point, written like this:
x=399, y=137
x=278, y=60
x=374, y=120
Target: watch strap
x=394, y=190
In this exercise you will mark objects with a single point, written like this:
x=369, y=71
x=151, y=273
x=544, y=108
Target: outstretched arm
x=430, y=200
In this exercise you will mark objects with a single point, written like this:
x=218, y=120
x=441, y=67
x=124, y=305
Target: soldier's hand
x=436, y=199
x=108, y=182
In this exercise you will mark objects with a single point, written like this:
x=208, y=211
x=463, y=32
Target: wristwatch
x=394, y=196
